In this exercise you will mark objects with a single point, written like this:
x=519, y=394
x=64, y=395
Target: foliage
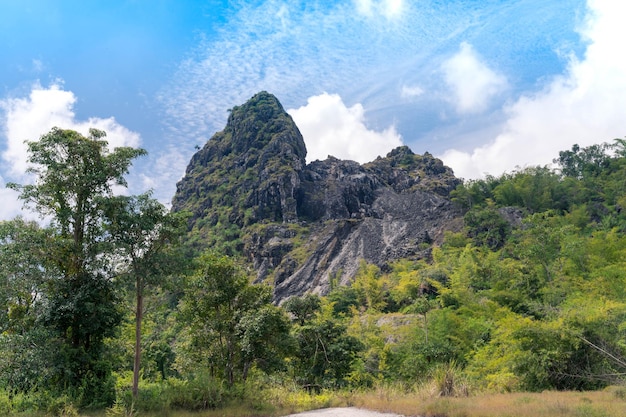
x=533, y=302
x=75, y=176
x=144, y=236
x=325, y=354
x=23, y=283
x=231, y=325
x=486, y=227
x=303, y=308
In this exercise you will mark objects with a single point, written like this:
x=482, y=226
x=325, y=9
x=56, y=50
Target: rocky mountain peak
x=263, y=123
x=251, y=193
x=248, y=172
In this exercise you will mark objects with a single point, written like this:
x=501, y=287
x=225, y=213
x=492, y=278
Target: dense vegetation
x=236, y=179
x=102, y=307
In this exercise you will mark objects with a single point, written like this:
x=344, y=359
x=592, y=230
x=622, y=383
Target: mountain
x=250, y=192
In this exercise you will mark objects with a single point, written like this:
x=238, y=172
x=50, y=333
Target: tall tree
x=144, y=235
x=75, y=179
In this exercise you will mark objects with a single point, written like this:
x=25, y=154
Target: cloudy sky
x=486, y=85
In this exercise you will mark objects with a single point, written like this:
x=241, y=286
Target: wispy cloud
x=411, y=91
x=329, y=127
x=163, y=170
x=585, y=105
x=294, y=53
x=364, y=51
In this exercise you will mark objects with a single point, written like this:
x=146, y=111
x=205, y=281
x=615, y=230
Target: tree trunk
x=246, y=368
x=138, y=317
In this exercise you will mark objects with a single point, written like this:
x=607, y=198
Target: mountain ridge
x=251, y=193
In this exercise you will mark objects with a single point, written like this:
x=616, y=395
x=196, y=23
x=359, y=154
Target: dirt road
x=343, y=412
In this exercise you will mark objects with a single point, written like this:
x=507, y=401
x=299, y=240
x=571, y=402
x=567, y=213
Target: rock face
x=250, y=192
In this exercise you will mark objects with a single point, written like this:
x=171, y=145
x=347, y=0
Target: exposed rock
x=250, y=192
x=406, y=172
x=400, y=226
x=251, y=169
x=512, y=215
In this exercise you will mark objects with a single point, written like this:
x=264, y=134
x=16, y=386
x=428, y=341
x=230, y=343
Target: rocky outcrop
x=250, y=192
x=395, y=226
x=251, y=169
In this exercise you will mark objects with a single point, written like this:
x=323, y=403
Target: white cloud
x=30, y=117
x=586, y=105
x=411, y=91
x=472, y=83
x=387, y=8
x=331, y=128
x=11, y=205
x=165, y=171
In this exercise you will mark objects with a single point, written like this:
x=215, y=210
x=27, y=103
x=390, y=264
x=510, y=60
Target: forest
x=104, y=306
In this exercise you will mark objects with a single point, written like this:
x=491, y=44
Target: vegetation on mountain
x=245, y=174
x=509, y=284
x=251, y=194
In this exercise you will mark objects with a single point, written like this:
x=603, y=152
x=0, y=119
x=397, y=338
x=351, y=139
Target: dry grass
x=607, y=403
x=425, y=402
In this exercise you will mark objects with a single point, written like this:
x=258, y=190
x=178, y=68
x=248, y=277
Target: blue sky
x=486, y=85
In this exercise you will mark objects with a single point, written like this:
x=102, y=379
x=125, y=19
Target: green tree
x=24, y=275
x=475, y=193
x=486, y=227
x=144, y=236
x=586, y=162
x=265, y=339
x=229, y=322
x=325, y=353
x=534, y=189
x=75, y=179
x=303, y=308
x=370, y=287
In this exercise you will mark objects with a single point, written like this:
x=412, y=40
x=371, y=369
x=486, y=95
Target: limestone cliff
x=251, y=193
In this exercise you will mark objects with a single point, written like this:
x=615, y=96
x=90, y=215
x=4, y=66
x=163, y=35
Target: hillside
x=509, y=283
x=251, y=193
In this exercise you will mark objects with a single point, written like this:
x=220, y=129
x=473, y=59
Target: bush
x=448, y=381
x=151, y=396
x=5, y=404
x=201, y=393
x=62, y=406
x=119, y=409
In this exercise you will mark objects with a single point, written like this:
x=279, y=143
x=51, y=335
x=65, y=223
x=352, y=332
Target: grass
x=607, y=403
x=423, y=402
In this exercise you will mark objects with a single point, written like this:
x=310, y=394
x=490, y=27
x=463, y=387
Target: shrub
x=62, y=406
x=201, y=393
x=5, y=404
x=448, y=381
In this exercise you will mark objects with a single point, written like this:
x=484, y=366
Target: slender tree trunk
x=138, y=317
x=246, y=368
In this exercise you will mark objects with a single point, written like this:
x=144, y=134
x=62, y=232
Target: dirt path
x=343, y=412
